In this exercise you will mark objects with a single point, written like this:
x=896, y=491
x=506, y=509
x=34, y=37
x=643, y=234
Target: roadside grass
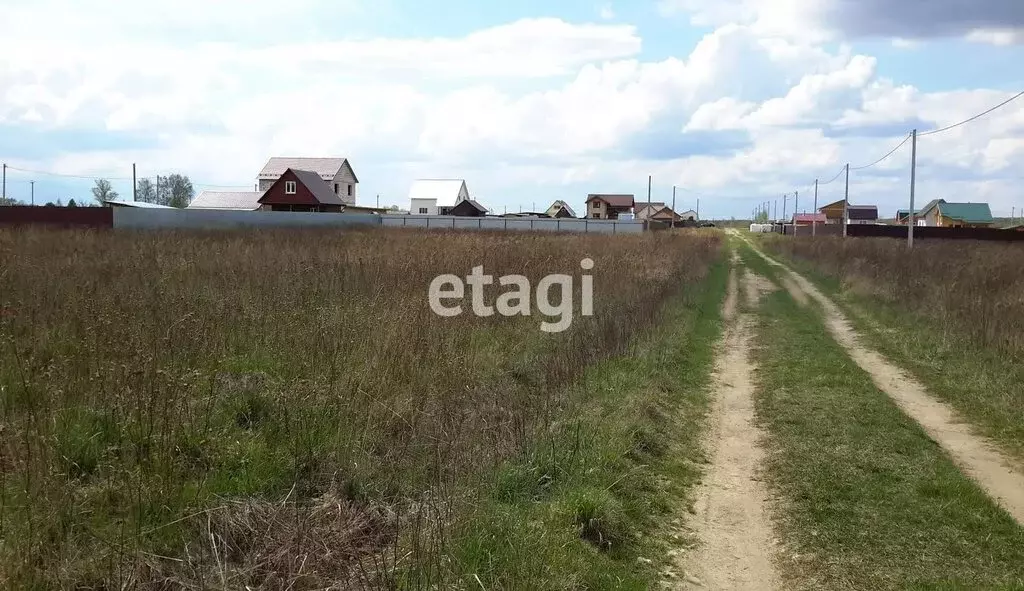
x=984, y=385
x=865, y=500
x=583, y=507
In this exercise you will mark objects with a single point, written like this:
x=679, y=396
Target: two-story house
x=608, y=207
x=336, y=172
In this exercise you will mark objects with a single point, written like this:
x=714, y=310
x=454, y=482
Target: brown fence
x=920, y=232
x=91, y=217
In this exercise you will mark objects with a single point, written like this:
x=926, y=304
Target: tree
x=175, y=190
x=103, y=192
x=9, y=201
x=71, y=203
x=145, y=190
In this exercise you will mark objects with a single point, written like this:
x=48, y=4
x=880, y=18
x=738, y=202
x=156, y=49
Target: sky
x=734, y=102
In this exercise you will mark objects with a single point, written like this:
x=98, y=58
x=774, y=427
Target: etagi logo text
x=515, y=300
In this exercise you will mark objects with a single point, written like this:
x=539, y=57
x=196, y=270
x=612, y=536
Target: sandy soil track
x=975, y=454
x=736, y=539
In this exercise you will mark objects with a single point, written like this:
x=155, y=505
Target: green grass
x=985, y=387
x=865, y=499
x=583, y=518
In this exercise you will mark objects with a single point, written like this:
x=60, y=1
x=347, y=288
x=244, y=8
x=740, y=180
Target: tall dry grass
x=278, y=409
x=971, y=289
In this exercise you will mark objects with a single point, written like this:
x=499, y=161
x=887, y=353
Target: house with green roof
x=943, y=214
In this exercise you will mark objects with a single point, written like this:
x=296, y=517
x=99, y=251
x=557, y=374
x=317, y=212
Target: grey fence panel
x=467, y=223
x=126, y=217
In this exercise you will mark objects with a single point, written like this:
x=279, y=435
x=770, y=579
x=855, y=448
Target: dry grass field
x=971, y=289
x=282, y=409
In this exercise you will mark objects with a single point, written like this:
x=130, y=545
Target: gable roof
x=833, y=204
x=931, y=205
x=240, y=200
x=612, y=200
x=446, y=191
x=325, y=167
x=472, y=204
x=559, y=204
x=642, y=205
x=976, y=213
x=317, y=186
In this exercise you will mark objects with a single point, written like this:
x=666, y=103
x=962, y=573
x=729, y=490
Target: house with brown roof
x=335, y=172
x=643, y=210
x=300, y=190
x=608, y=207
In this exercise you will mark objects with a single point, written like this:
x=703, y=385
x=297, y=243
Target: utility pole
x=775, y=211
x=698, y=209
x=135, y=185
x=784, y=197
x=796, y=209
x=32, y=184
x=673, y=206
x=648, y=192
x=378, y=200
x=846, y=200
x=814, y=220
x=913, y=181
x=4, y=190
x=157, y=196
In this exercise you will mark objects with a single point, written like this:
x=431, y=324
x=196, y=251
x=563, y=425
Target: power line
x=72, y=176
x=982, y=114
x=838, y=174
x=890, y=153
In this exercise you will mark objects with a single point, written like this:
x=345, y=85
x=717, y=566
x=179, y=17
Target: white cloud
x=534, y=107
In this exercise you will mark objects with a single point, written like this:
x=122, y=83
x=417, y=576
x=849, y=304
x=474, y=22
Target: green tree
x=71, y=203
x=103, y=192
x=9, y=201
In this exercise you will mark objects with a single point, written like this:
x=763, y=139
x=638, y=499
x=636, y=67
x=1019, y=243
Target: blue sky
x=738, y=101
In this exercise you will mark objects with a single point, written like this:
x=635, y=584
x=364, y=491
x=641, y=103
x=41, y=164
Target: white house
x=336, y=172
x=436, y=196
x=229, y=200
x=560, y=209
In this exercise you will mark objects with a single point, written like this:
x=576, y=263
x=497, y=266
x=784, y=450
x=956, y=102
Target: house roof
x=977, y=213
x=473, y=204
x=318, y=187
x=325, y=167
x=612, y=200
x=862, y=212
x=641, y=205
x=559, y=204
x=138, y=204
x=931, y=204
x=810, y=218
x=240, y=200
x=446, y=191
x=833, y=204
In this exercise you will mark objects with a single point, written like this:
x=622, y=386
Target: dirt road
x=976, y=456
x=732, y=524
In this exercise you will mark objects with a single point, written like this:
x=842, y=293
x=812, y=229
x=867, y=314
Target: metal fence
x=132, y=218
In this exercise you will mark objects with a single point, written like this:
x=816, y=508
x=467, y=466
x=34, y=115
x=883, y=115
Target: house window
x=423, y=210
x=596, y=216
x=289, y=187
x=349, y=190
x=335, y=188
